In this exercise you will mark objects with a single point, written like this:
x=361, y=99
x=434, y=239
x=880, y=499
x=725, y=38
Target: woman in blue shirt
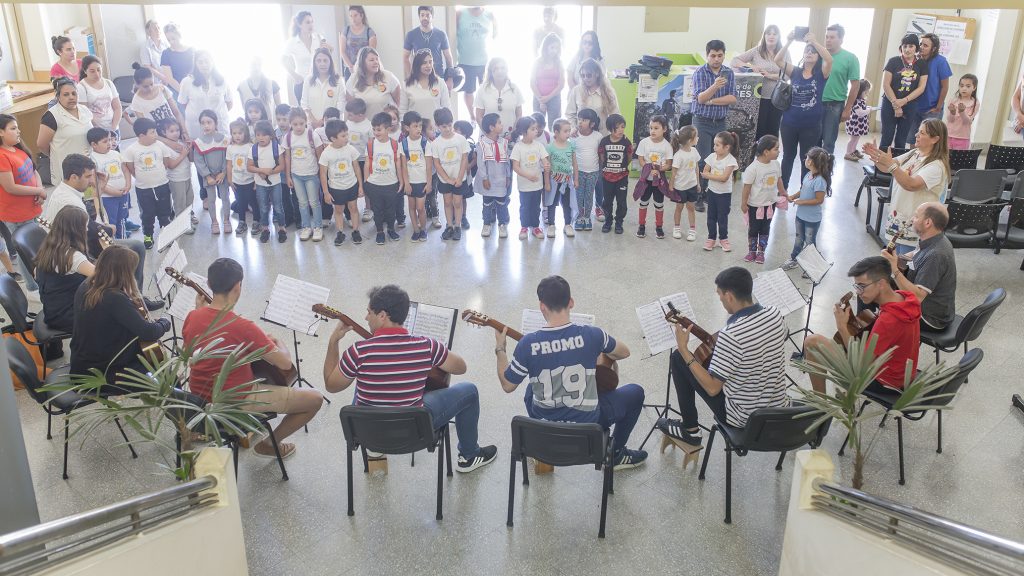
x=801, y=124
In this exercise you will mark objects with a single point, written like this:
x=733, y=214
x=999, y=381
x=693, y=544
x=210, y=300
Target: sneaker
x=627, y=459
x=265, y=235
x=282, y=236
x=851, y=157
x=33, y=296
x=367, y=215
x=305, y=234
x=400, y=225
x=192, y=230
x=619, y=229
x=677, y=232
x=153, y=305
x=538, y=233
x=759, y=258
x=435, y=222
x=339, y=238
x=318, y=234
x=241, y=229
x=675, y=429
x=568, y=231
x=502, y=231
x=393, y=236
x=17, y=277
x=600, y=214
x=380, y=238
x=588, y=225
x=131, y=226
x=448, y=233
x=699, y=206
x=659, y=232
x=457, y=234
x=725, y=244
x=606, y=227
x=579, y=225
x=147, y=241
x=641, y=231
x=750, y=256
x=194, y=219
x=523, y=233
x=485, y=232
x=709, y=244
x=357, y=238
x=551, y=230
x=486, y=455
x=256, y=229
x=691, y=235
x=465, y=223
x=790, y=264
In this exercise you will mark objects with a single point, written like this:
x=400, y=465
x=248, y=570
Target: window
x=787, y=19
x=857, y=24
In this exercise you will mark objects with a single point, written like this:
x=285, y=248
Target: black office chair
x=976, y=186
x=768, y=430
x=54, y=403
x=963, y=160
x=560, y=444
x=28, y=240
x=941, y=398
x=973, y=225
x=15, y=304
x=125, y=86
x=394, y=431
x=963, y=329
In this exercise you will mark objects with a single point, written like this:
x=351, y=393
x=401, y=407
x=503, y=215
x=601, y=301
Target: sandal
x=286, y=448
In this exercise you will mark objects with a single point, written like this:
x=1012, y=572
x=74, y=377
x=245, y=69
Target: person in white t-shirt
x=450, y=154
x=342, y=177
x=323, y=88
x=359, y=134
x=587, y=142
x=240, y=179
x=99, y=94
x=718, y=169
x=372, y=83
x=762, y=187
x=500, y=96
x=257, y=86
x=419, y=173
x=685, y=179
x=301, y=147
x=384, y=173
x=148, y=160
x=114, y=182
x=204, y=89
x=531, y=165
x=424, y=92
x=654, y=153
x=298, y=51
x=265, y=162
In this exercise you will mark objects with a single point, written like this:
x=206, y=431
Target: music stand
x=814, y=267
x=1018, y=403
x=291, y=306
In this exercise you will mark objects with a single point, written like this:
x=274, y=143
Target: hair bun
x=136, y=65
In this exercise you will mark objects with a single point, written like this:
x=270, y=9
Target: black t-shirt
x=905, y=78
x=180, y=62
x=57, y=293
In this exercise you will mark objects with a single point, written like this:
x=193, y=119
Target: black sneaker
x=619, y=229
x=282, y=235
x=465, y=223
x=447, y=234
x=265, y=236
x=675, y=429
x=627, y=459
x=16, y=276
x=486, y=455
x=659, y=232
x=339, y=238
x=699, y=205
x=607, y=226
x=147, y=241
x=241, y=229
x=393, y=235
x=153, y=305
x=256, y=229
x=380, y=238
x=457, y=234
x=357, y=238
x=641, y=231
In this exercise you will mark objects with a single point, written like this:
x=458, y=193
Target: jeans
x=718, y=215
x=806, y=234
x=893, y=127
x=307, y=191
x=830, y=121
x=561, y=193
x=706, y=131
x=116, y=208
x=462, y=402
x=267, y=195
x=496, y=208
x=154, y=205
x=916, y=123
x=585, y=194
x=688, y=388
x=30, y=281
x=552, y=110
x=768, y=119
x=620, y=408
x=529, y=208
x=615, y=197
x=806, y=137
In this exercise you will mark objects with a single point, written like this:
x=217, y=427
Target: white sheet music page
x=776, y=289
x=533, y=320
x=168, y=234
x=185, y=298
x=813, y=263
x=173, y=258
x=431, y=321
x=291, y=304
x=657, y=331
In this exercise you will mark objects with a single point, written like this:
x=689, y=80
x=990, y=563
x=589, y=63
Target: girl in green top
x=564, y=177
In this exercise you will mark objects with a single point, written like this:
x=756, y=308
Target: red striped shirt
x=390, y=369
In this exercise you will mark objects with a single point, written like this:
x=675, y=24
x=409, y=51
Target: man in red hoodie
x=897, y=327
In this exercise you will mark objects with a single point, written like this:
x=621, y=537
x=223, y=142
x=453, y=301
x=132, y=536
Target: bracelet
x=501, y=349
x=893, y=167
x=692, y=360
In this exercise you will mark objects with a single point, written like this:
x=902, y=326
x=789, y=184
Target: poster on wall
x=954, y=34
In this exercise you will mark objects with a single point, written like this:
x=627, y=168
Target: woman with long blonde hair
x=594, y=92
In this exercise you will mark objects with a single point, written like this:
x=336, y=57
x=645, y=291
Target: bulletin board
x=957, y=34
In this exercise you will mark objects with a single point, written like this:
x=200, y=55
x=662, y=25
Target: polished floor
x=662, y=519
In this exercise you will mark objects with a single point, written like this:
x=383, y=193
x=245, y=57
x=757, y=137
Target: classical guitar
x=861, y=322
x=707, y=341
x=260, y=368
x=437, y=379
x=607, y=371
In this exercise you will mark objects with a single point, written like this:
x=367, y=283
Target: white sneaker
x=367, y=215
x=305, y=234
x=568, y=231
x=691, y=235
x=523, y=233
x=435, y=222
x=790, y=264
x=485, y=232
x=677, y=232
x=551, y=231
x=502, y=231
x=318, y=234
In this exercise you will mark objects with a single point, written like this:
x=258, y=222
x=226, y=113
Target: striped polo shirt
x=750, y=357
x=390, y=369
x=703, y=78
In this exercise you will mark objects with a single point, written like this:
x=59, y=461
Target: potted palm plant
x=852, y=370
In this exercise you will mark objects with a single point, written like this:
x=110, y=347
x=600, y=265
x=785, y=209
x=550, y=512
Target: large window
x=787, y=19
x=857, y=24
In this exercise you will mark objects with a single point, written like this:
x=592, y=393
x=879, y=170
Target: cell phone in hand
x=800, y=32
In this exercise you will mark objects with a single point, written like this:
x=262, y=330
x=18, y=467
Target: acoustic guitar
x=607, y=369
x=707, y=341
x=437, y=379
x=260, y=368
x=98, y=234
x=861, y=322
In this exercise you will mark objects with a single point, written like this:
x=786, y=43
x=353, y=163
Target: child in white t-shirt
x=115, y=183
x=450, y=154
x=300, y=147
x=180, y=176
x=762, y=186
x=266, y=164
x=685, y=179
x=589, y=168
x=419, y=173
x=656, y=151
x=530, y=163
x=149, y=161
x=718, y=169
x=342, y=178
x=240, y=179
x=384, y=173
x=360, y=132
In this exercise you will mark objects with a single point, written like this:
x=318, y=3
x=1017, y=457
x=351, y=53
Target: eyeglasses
x=586, y=75
x=860, y=288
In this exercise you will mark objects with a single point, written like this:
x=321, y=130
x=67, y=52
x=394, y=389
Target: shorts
x=270, y=398
x=343, y=197
x=461, y=190
x=688, y=195
x=474, y=75
x=419, y=190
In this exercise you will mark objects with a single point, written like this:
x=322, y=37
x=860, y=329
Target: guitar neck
x=328, y=312
x=696, y=330
x=510, y=332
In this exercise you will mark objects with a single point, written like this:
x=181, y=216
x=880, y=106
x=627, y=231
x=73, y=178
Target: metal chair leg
x=899, y=440
x=366, y=461
x=348, y=466
x=234, y=456
x=448, y=448
x=842, y=448
x=67, y=425
x=728, y=485
x=511, y=488
x=707, y=452
x=49, y=426
x=277, y=451
x=939, y=449
x=125, y=436
x=526, y=473
x=604, y=499
x=440, y=479
x=778, y=465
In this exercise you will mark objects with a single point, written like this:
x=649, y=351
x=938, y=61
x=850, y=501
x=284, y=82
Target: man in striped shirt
x=747, y=367
x=390, y=370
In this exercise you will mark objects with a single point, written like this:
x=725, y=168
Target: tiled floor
x=661, y=519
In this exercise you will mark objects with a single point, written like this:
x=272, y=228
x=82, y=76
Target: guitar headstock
x=44, y=222
x=844, y=302
x=328, y=312
x=476, y=318
x=177, y=276
x=673, y=315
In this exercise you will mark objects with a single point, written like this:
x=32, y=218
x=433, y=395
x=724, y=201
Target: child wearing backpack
x=302, y=147
x=418, y=173
x=384, y=172
x=265, y=162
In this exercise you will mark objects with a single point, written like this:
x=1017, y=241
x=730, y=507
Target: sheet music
x=291, y=304
x=657, y=331
x=168, y=234
x=813, y=263
x=533, y=320
x=775, y=288
x=431, y=321
x=185, y=299
x=174, y=258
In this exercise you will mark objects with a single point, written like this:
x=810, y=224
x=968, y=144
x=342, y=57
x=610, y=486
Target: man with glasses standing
x=897, y=326
x=428, y=37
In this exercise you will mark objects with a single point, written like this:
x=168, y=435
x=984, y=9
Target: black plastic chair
x=15, y=304
x=963, y=160
x=28, y=240
x=1005, y=158
x=963, y=329
x=944, y=396
x=560, y=444
x=125, y=86
x=976, y=186
x=875, y=179
x=767, y=430
x=394, y=431
x=55, y=404
x=973, y=225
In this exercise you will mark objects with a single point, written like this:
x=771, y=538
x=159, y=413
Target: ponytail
x=522, y=126
x=58, y=42
x=730, y=139
x=764, y=144
x=824, y=164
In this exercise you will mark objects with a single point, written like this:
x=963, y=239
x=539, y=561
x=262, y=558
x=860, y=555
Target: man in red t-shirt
x=216, y=320
x=897, y=326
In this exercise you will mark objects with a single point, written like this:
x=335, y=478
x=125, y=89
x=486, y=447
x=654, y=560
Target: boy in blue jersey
x=561, y=363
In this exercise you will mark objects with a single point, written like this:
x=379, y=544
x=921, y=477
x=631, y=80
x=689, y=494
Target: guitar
x=102, y=237
x=260, y=368
x=707, y=341
x=607, y=369
x=437, y=379
x=861, y=322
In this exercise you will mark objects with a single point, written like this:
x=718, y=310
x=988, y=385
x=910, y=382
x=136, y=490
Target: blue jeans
x=529, y=208
x=116, y=208
x=459, y=401
x=585, y=194
x=806, y=234
x=266, y=195
x=706, y=130
x=894, y=130
x=915, y=124
x=620, y=408
x=718, y=215
x=307, y=191
x=830, y=121
x=804, y=137
x=496, y=208
x=30, y=281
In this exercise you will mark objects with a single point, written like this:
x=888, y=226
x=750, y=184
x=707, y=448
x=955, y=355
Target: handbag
x=42, y=165
x=782, y=95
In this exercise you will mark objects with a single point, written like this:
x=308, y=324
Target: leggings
x=222, y=191
x=758, y=226
x=659, y=206
x=561, y=193
x=245, y=200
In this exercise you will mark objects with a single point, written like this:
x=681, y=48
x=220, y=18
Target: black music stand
x=810, y=300
x=300, y=380
x=1018, y=403
x=662, y=410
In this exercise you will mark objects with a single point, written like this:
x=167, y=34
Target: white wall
x=623, y=40
x=386, y=21
x=46, y=20
x=7, y=57
x=124, y=31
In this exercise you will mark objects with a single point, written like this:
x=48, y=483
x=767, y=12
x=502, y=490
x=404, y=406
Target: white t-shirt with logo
x=416, y=160
x=341, y=166
x=531, y=160
x=238, y=157
x=109, y=164
x=764, y=182
x=183, y=171
x=718, y=168
x=586, y=152
x=359, y=133
x=148, y=162
x=382, y=169
x=450, y=152
x=684, y=169
x=302, y=151
x=265, y=159
x=654, y=152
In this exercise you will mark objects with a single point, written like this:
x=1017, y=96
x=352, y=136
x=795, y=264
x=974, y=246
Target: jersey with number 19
x=561, y=363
